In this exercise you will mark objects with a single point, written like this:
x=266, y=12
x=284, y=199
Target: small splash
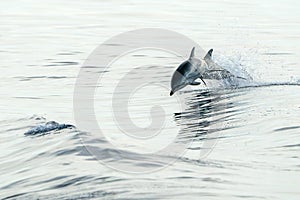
x=244, y=66
x=238, y=67
x=46, y=128
x=294, y=80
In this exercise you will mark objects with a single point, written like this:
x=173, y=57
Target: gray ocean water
x=249, y=133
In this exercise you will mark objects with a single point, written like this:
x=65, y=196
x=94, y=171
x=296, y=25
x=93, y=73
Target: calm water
x=244, y=141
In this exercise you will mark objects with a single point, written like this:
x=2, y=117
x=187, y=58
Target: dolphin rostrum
x=194, y=68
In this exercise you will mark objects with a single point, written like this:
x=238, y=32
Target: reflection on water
x=207, y=115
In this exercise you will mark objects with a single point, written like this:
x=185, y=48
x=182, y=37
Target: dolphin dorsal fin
x=208, y=55
x=192, y=53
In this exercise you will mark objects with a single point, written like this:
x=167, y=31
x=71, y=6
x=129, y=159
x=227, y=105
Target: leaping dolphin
x=194, y=68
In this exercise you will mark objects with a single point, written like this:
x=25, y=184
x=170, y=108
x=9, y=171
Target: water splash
x=244, y=66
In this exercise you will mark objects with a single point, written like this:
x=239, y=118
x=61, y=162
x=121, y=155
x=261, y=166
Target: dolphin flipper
x=195, y=83
x=203, y=81
x=198, y=83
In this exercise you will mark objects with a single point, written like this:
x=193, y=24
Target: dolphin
x=194, y=68
x=46, y=128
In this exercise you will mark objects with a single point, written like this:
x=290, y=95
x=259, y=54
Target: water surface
x=252, y=130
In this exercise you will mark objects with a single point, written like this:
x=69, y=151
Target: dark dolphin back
x=184, y=68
